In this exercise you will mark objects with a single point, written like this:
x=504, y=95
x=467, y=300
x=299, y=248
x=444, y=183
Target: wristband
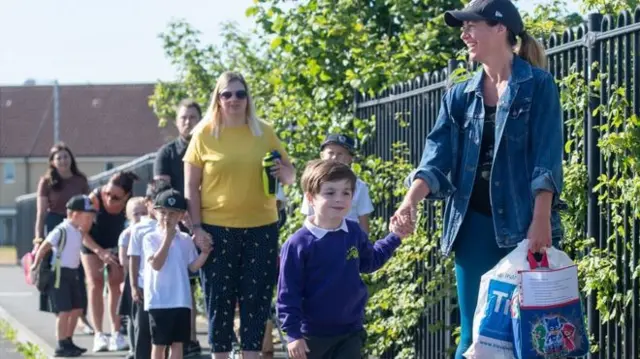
x=196, y=226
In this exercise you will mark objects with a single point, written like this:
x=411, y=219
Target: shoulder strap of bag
x=56, y=263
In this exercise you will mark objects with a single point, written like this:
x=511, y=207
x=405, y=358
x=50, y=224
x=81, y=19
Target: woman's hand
x=107, y=257
x=539, y=234
x=406, y=214
x=283, y=172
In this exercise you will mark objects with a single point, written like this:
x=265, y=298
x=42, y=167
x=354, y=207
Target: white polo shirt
x=360, y=206
x=138, y=231
x=70, y=256
x=168, y=287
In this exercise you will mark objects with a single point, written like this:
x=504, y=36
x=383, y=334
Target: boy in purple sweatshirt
x=321, y=297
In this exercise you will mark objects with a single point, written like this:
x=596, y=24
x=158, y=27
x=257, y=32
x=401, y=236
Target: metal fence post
x=594, y=24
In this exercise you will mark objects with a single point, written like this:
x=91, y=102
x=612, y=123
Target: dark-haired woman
x=110, y=201
x=61, y=181
x=494, y=154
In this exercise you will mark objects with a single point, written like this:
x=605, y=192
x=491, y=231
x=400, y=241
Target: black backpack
x=46, y=276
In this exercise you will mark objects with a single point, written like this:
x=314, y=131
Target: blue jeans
x=241, y=268
x=476, y=251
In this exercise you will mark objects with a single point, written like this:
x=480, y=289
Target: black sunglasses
x=240, y=95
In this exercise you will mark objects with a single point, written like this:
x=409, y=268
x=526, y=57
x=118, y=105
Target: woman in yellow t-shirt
x=227, y=203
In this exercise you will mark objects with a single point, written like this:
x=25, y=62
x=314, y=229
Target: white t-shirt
x=125, y=237
x=168, y=287
x=70, y=256
x=138, y=231
x=360, y=206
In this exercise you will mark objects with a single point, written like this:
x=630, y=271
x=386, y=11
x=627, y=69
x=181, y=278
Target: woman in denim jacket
x=495, y=152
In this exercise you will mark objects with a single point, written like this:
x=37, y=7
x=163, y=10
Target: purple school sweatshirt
x=320, y=292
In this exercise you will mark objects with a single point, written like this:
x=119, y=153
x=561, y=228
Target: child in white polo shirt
x=341, y=148
x=141, y=343
x=170, y=255
x=66, y=292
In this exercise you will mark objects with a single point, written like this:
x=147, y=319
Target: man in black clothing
x=169, y=167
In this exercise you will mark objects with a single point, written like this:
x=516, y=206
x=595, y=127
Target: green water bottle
x=269, y=182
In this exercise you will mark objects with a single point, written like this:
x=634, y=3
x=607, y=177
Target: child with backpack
x=63, y=282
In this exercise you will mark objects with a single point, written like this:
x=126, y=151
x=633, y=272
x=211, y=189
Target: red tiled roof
x=95, y=120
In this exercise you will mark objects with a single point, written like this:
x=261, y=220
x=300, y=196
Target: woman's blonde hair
x=213, y=115
x=531, y=50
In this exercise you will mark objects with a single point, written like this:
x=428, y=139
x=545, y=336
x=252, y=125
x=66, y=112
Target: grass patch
x=28, y=349
x=8, y=255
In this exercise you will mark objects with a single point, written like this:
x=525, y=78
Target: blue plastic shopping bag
x=547, y=316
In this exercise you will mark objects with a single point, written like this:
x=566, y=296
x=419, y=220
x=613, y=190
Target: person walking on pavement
x=494, y=153
x=110, y=201
x=168, y=166
x=228, y=204
x=61, y=181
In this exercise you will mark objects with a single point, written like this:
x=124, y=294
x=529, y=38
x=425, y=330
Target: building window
x=9, y=172
x=108, y=166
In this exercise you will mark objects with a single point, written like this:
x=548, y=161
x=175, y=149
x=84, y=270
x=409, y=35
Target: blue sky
x=115, y=41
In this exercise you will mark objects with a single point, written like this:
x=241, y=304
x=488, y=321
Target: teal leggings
x=476, y=252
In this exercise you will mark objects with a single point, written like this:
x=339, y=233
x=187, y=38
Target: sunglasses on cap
x=240, y=95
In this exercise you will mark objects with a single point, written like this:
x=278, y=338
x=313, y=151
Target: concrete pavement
x=8, y=350
x=19, y=307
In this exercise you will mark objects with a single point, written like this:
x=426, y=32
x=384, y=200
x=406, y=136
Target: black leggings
x=242, y=267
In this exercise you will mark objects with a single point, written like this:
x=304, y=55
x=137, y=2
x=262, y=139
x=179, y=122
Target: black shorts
x=70, y=293
x=171, y=325
x=125, y=302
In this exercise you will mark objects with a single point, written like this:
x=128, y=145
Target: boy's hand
x=170, y=227
x=298, y=349
x=206, y=248
x=136, y=293
x=401, y=228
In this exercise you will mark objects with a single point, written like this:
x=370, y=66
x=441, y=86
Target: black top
x=169, y=162
x=106, y=227
x=480, y=200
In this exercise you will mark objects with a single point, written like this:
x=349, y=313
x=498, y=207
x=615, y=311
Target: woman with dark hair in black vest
x=110, y=201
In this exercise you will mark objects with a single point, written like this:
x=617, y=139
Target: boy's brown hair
x=319, y=171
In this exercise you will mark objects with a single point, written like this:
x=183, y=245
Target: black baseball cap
x=342, y=140
x=171, y=199
x=502, y=11
x=80, y=203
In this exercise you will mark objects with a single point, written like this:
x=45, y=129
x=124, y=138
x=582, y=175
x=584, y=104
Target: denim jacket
x=527, y=156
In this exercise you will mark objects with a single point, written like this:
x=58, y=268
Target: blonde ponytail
x=531, y=50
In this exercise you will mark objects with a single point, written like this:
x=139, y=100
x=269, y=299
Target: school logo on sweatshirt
x=353, y=253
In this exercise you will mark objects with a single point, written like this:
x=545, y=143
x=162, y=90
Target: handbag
x=548, y=319
x=45, y=275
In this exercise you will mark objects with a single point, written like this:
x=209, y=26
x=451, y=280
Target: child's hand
x=401, y=228
x=136, y=293
x=206, y=248
x=170, y=227
x=298, y=349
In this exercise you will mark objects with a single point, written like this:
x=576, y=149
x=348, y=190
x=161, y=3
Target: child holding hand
x=321, y=296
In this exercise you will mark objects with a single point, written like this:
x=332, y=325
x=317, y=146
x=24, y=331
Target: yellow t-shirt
x=232, y=193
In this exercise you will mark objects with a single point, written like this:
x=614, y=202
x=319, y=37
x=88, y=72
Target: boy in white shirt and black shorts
x=169, y=254
x=66, y=291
